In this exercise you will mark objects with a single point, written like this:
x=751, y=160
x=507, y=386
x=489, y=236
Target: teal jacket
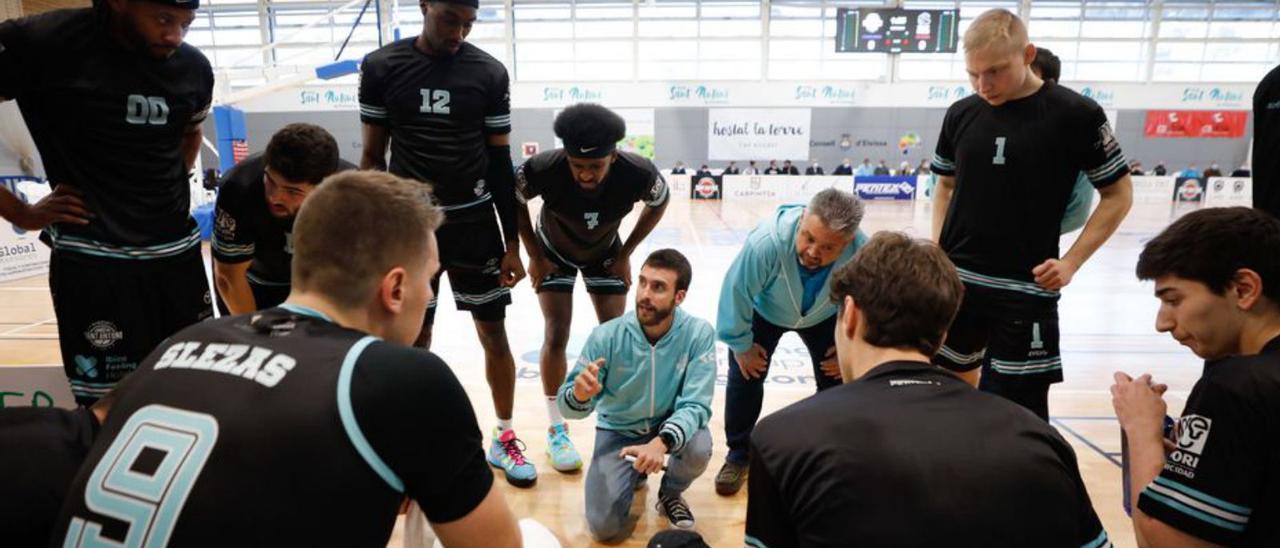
x=667, y=386
x=1080, y=206
x=765, y=279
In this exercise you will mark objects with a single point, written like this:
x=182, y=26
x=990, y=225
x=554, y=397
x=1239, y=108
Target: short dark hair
x=670, y=259
x=1049, y=65
x=589, y=124
x=1210, y=245
x=908, y=290
x=302, y=153
x=357, y=226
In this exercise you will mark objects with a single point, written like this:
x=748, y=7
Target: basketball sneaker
x=507, y=454
x=564, y=457
x=676, y=510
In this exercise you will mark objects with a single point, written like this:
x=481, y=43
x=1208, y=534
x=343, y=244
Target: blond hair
x=357, y=226
x=996, y=30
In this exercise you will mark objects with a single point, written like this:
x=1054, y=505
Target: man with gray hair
x=778, y=283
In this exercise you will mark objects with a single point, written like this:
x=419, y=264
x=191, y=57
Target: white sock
x=504, y=425
x=553, y=411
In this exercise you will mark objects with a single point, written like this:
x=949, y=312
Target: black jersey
x=244, y=228
x=111, y=122
x=1015, y=166
x=1220, y=484
x=439, y=111
x=582, y=226
x=277, y=428
x=1266, y=144
x=41, y=450
x=910, y=455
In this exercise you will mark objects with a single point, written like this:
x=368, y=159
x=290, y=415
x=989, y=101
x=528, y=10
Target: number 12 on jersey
x=434, y=101
x=145, y=476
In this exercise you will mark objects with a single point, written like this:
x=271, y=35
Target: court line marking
x=1057, y=421
x=26, y=327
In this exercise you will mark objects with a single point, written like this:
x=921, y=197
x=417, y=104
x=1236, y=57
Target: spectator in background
x=789, y=169
x=1190, y=172
x=923, y=168
x=1136, y=169
x=845, y=168
x=1213, y=171
x=1242, y=171
x=732, y=169
x=814, y=169
x=703, y=171
x=679, y=169
x=904, y=168
x=882, y=169
x=865, y=169
x=1159, y=170
x=751, y=169
x=773, y=168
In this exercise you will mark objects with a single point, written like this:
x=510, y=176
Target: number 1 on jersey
x=435, y=101
x=999, y=158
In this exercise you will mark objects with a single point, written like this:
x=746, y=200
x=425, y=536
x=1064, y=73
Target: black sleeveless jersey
x=278, y=428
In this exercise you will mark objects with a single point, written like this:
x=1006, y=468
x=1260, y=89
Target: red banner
x=1196, y=123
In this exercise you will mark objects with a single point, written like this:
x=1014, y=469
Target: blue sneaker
x=507, y=453
x=564, y=458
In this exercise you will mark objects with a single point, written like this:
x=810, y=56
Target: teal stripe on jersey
x=348, y=415
x=1242, y=511
x=1224, y=524
x=1101, y=542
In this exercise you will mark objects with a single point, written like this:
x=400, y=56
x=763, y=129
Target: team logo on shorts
x=479, y=190
x=225, y=224
x=103, y=335
x=1193, y=433
x=87, y=366
x=208, y=299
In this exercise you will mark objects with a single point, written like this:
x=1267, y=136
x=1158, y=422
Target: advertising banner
x=758, y=134
x=21, y=252
x=885, y=187
x=1196, y=123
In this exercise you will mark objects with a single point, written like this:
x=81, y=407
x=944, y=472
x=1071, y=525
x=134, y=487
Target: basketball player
x=889, y=458
x=778, y=283
x=114, y=100
x=649, y=375
x=323, y=459
x=257, y=202
x=443, y=107
x=1217, y=275
x=43, y=450
x=1007, y=159
x=1048, y=67
x=587, y=188
x=1266, y=141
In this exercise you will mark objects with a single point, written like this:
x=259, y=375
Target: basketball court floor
x=1107, y=324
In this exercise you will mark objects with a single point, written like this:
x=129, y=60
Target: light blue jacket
x=667, y=386
x=765, y=279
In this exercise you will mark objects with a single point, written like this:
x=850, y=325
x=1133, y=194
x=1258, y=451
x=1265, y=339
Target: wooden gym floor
x=1107, y=320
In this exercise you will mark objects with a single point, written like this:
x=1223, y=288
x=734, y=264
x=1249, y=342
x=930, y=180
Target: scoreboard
x=896, y=30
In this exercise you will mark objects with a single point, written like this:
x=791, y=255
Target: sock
x=504, y=425
x=553, y=411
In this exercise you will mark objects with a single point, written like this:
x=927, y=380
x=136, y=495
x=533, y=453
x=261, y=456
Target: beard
x=650, y=315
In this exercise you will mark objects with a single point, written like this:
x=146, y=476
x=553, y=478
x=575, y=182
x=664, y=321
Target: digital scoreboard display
x=896, y=30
